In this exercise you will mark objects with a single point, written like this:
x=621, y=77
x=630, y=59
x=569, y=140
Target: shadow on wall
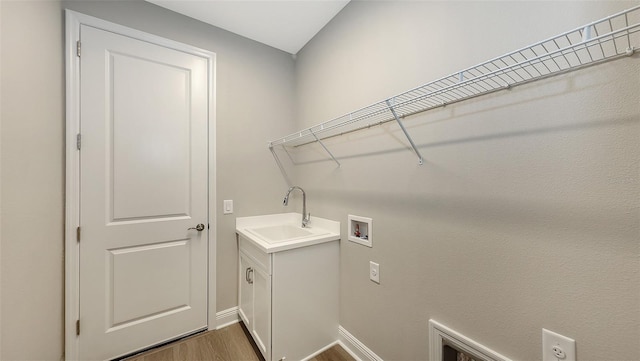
x=317, y=154
x=387, y=137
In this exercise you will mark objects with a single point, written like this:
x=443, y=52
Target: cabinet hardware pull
x=251, y=276
x=246, y=274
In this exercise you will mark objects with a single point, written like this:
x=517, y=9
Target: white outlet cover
x=550, y=340
x=374, y=272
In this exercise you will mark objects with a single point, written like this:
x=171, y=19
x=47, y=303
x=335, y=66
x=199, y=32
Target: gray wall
x=255, y=96
x=525, y=213
x=32, y=147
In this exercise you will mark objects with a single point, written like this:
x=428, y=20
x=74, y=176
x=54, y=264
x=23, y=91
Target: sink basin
x=281, y=233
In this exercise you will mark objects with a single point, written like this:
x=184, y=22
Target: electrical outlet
x=556, y=347
x=559, y=352
x=374, y=272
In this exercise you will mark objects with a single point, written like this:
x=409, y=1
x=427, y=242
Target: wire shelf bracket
x=404, y=130
x=610, y=38
x=325, y=148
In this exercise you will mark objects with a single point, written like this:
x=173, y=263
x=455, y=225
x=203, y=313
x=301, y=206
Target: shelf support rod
x=325, y=148
x=282, y=170
x=406, y=134
x=288, y=154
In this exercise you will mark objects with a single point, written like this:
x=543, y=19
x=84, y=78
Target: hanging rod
x=603, y=40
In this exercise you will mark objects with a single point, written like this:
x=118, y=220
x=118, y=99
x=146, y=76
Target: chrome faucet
x=305, y=216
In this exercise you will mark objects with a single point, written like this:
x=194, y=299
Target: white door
x=143, y=184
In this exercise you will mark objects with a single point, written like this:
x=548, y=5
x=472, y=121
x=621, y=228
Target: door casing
x=72, y=187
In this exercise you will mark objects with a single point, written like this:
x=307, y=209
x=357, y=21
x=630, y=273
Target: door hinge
x=78, y=234
x=78, y=140
x=78, y=46
x=77, y=327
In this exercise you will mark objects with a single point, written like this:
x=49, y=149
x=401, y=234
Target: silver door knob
x=199, y=227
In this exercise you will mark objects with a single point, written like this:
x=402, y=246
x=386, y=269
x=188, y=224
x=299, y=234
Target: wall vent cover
x=440, y=336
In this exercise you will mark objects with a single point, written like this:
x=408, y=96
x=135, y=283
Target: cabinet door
x=245, y=291
x=261, y=328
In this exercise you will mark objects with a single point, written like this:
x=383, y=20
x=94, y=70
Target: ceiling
x=284, y=25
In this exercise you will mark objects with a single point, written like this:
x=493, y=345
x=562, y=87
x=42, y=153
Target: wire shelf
x=612, y=37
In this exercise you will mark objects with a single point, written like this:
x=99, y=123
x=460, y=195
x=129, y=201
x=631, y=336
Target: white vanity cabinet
x=255, y=301
x=288, y=299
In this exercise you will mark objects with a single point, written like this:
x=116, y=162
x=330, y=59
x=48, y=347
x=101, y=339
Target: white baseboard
x=354, y=347
x=227, y=317
x=346, y=340
x=320, y=351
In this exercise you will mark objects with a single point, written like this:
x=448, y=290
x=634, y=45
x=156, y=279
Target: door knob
x=199, y=227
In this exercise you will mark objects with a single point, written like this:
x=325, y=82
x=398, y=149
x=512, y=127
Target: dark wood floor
x=227, y=344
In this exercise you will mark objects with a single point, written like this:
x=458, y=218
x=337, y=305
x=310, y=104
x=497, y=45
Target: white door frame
x=72, y=206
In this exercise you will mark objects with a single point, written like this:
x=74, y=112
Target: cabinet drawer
x=262, y=259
